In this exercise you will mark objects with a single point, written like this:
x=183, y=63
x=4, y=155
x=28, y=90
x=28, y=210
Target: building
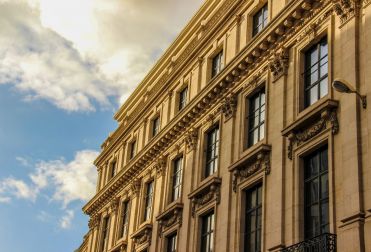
x=236, y=140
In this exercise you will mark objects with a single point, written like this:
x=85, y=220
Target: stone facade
x=135, y=209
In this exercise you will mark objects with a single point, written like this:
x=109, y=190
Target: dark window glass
x=113, y=169
x=253, y=219
x=155, y=126
x=133, y=149
x=125, y=218
x=212, y=147
x=256, y=118
x=148, y=201
x=316, y=72
x=105, y=231
x=260, y=20
x=316, y=194
x=217, y=64
x=183, y=98
x=207, y=233
x=177, y=179
x=171, y=243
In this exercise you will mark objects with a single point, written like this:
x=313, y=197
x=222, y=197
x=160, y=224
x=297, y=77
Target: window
x=125, y=219
x=260, y=20
x=256, y=118
x=113, y=169
x=212, y=147
x=253, y=219
x=132, y=149
x=217, y=64
x=176, y=179
x=155, y=126
x=183, y=98
x=207, y=233
x=316, y=72
x=105, y=231
x=316, y=194
x=148, y=201
x=171, y=243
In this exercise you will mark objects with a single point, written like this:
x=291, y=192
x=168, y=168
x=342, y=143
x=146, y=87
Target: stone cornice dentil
x=287, y=24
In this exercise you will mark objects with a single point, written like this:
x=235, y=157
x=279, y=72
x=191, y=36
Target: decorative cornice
x=206, y=193
x=229, y=106
x=251, y=57
x=279, y=64
x=135, y=187
x=191, y=138
x=169, y=218
x=366, y=3
x=322, y=117
x=94, y=221
x=346, y=9
x=114, y=205
x=142, y=236
x=256, y=160
x=160, y=166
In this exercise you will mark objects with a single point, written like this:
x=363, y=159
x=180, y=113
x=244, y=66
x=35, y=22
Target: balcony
x=322, y=243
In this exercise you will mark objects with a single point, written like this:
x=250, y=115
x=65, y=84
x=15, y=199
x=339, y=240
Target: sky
x=65, y=68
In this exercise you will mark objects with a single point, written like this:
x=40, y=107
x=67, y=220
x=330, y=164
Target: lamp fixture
x=343, y=86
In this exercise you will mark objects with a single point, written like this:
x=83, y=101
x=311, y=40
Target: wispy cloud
x=66, y=220
x=82, y=54
x=16, y=188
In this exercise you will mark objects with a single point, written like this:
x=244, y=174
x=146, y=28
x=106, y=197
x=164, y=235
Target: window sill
x=121, y=244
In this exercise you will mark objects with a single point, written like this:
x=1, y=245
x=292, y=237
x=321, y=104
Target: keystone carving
x=191, y=139
x=262, y=163
x=279, y=64
x=346, y=9
x=229, y=106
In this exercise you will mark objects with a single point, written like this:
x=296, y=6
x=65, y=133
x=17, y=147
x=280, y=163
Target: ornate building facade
x=237, y=141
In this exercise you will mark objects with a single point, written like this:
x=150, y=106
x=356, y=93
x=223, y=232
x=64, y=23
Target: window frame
x=183, y=98
x=113, y=169
x=106, y=221
x=217, y=63
x=209, y=233
x=132, y=149
x=248, y=115
x=213, y=159
x=148, y=199
x=173, y=248
x=155, y=126
x=124, y=219
x=255, y=26
x=179, y=186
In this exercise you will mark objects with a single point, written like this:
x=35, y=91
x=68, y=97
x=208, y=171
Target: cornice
x=248, y=60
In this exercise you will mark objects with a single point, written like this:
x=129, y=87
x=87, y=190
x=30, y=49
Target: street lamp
x=343, y=86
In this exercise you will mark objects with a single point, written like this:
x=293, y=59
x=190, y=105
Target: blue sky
x=65, y=67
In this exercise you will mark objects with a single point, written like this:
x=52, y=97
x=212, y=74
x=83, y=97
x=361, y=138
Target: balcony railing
x=322, y=243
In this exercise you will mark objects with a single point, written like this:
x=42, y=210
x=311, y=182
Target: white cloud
x=64, y=181
x=65, y=221
x=80, y=54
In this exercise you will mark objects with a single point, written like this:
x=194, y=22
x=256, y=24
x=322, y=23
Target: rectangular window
x=176, y=179
x=105, y=231
x=207, y=233
x=212, y=148
x=316, y=194
x=133, y=149
x=256, y=118
x=316, y=72
x=148, y=201
x=217, y=64
x=260, y=20
x=113, y=169
x=171, y=243
x=125, y=211
x=183, y=98
x=253, y=219
x=155, y=126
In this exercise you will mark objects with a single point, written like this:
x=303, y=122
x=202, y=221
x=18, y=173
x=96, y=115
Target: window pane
x=323, y=87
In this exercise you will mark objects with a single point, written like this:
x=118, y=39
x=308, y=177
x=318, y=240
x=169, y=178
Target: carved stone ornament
x=366, y=3
x=258, y=160
x=143, y=235
x=123, y=248
x=135, y=187
x=303, y=132
x=279, y=64
x=191, y=138
x=346, y=9
x=114, y=205
x=94, y=221
x=160, y=166
x=209, y=192
x=229, y=106
x=171, y=217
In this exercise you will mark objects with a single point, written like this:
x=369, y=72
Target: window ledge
x=142, y=237
x=121, y=245
x=170, y=217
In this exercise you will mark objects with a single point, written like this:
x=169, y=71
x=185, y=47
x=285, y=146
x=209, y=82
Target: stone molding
x=170, y=217
x=114, y=205
x=275, y=34
x=208, y=192
x=279, y=64
x=257, y=160
x=346, y=9
x=320, y=118
x=191, y=139
x=160, y=166
x=229, y=106
x=143, y=236
x=135, y=187
x=94, y=221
